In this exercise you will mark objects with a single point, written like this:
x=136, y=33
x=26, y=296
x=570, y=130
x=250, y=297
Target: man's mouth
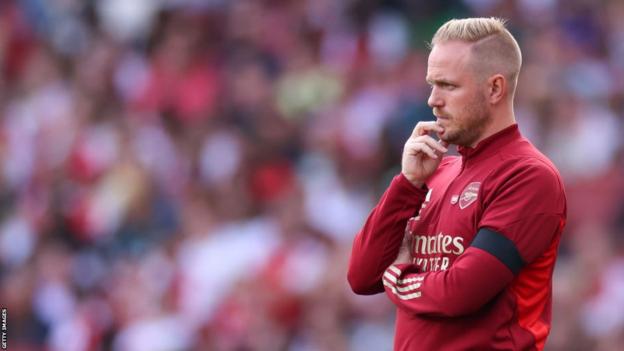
x=440, y=116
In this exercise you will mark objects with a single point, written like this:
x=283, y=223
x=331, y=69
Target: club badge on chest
x=468, y=195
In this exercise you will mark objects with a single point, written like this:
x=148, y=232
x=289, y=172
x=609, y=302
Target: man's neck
x=499, y=121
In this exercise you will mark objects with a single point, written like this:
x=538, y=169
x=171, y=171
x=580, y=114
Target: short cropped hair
x=495, y=50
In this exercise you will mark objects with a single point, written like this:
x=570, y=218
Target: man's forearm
x=376, y=245
x=473, y=280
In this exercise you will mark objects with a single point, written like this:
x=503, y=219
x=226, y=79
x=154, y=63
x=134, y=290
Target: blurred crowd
x=189, y=174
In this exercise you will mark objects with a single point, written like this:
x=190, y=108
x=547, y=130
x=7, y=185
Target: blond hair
x=494, y=49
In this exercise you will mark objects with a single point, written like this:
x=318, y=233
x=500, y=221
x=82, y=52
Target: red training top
x=485, y=237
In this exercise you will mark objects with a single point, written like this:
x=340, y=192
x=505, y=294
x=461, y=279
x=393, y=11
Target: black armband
x=500, y=247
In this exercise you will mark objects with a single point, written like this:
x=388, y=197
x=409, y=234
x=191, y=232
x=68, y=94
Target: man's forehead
x=450, y=53
x=446, y=57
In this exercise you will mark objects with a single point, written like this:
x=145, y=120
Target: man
x=473, y=270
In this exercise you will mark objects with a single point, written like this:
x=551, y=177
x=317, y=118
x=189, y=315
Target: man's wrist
x=418, y=184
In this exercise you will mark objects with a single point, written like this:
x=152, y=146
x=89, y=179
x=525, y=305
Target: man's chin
x=448, y=137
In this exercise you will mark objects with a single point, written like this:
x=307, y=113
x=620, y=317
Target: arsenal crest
x=469, y=195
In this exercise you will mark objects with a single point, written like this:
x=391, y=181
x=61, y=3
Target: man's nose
x=434, y=99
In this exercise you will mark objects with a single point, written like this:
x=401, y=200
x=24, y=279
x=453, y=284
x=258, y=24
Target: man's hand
x=405, y=252
x=422, y=154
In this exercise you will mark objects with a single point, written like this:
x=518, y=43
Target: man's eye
x=442, y=85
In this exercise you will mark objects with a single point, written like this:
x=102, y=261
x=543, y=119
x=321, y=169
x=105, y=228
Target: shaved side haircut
x=494, y=49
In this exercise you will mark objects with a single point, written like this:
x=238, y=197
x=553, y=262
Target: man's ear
x=497, y=88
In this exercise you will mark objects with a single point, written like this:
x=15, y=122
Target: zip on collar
x=491, y=144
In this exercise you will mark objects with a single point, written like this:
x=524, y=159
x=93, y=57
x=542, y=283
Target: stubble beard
x=467, y=130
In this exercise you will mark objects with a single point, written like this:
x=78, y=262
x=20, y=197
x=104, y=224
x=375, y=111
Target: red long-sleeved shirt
x=485, y=237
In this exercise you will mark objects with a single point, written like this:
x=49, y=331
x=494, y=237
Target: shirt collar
x=491, y=144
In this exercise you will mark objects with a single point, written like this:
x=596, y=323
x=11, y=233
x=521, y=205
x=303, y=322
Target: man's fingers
x=432, y=143
x=423, y=128
x=420, y=147
x=407, y=240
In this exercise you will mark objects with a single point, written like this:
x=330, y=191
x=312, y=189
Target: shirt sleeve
x=376, y=245
x=528, y=208
x=473, y=280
